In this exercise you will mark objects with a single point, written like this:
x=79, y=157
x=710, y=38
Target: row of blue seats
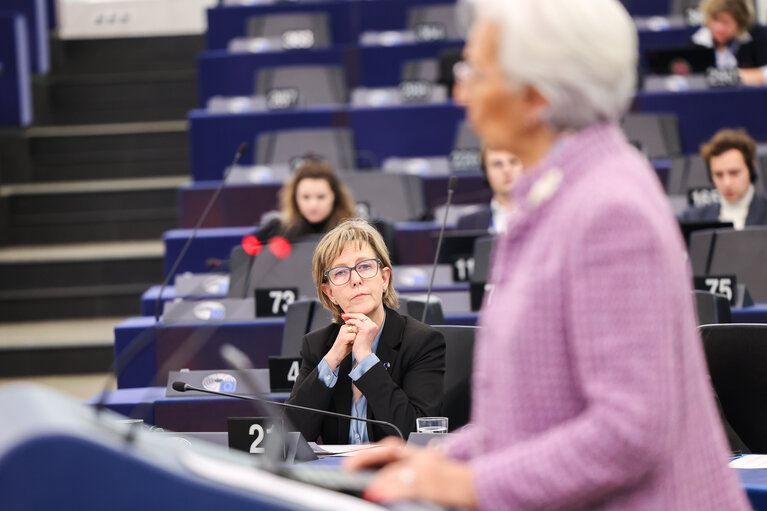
x=350, y=18
x=430, y=130
x=225, y=73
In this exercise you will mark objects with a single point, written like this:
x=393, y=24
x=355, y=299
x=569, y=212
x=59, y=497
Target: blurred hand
x=415, y=473
x=752, y=77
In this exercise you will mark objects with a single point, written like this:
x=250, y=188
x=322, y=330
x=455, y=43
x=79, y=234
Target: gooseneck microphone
x=450, y=189
x=240, y=152
x=180, y=386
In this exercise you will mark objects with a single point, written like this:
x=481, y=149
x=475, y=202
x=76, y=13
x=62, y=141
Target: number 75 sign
x=725, y=285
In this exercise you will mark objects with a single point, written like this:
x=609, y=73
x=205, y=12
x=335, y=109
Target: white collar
x=737, y=212
x=704, y=37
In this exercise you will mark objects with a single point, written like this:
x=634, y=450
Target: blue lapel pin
x=387, y=365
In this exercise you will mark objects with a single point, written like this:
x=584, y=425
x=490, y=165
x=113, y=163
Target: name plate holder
x=727, y=286
x=702, y=196
x=283, y=372
x=274, y=302
x=716, y=78
x=219, y=380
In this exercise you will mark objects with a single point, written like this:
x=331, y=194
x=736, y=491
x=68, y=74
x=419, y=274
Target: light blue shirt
x=358, y=431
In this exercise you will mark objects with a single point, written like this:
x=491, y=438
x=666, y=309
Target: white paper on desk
x=341, y=450
x=750, y=461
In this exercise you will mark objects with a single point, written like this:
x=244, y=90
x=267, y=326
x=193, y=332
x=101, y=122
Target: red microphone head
x=251, y=245
x=280, y=247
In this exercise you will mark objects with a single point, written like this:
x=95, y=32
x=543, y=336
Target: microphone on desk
x=451, y=182
x=180, y=386
x=239, y=154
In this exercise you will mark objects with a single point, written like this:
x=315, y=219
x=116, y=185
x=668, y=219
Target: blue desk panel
x=191, y=346
x=413, y=130
x=136, y=363
x=669, y=38
x=214, y=138
x=238, y=205
x=647, y=7
x=417, y=130
x=125, y=401
x=221, y=73
x=381, y=66
x=703, y=113
x=755, y=483
x=36, y=13
x=228, y=22
x=206, y=413
x=15, y=85
x=209, y=243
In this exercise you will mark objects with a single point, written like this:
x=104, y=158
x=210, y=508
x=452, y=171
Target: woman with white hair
x=590, y=388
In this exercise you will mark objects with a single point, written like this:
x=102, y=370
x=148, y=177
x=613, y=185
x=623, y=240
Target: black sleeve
x=420, y=394
x=309, y=391
x=759, y=42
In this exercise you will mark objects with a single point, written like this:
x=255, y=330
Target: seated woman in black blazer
x=731, y=31
x=371, y=361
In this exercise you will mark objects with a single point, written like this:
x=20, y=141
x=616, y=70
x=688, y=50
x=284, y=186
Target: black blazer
x=754, y=53
x=757, y=212
x=478, y=220
x=406, y=383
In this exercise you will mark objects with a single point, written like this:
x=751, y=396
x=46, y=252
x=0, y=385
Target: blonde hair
x=742, y=11
x=343, y=204
x=330, y=247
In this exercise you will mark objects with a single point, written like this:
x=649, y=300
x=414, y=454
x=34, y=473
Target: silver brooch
x=545, y=187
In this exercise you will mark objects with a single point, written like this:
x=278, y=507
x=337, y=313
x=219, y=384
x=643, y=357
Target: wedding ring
x=350, y=328
x=407, y=476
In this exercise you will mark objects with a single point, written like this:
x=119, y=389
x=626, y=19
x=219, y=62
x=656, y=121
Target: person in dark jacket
x=500, y=170
x=731, y=32
x=730, y=158
x=370, y=362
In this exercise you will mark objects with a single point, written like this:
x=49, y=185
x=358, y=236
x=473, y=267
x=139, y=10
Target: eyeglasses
x=340, y=275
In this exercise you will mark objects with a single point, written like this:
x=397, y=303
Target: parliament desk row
x=350, y=18
x=347, y=18
x=378, y=133
x=430, y=130
x=198, y=413
x=416, y=242
x=455, y=298
x=209, y=414
x=196, y=346
x=244, y=204
x=225, y=73
x=58, y=454
x=145, y=351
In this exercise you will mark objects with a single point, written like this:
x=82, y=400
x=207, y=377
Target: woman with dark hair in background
x=312, y=202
